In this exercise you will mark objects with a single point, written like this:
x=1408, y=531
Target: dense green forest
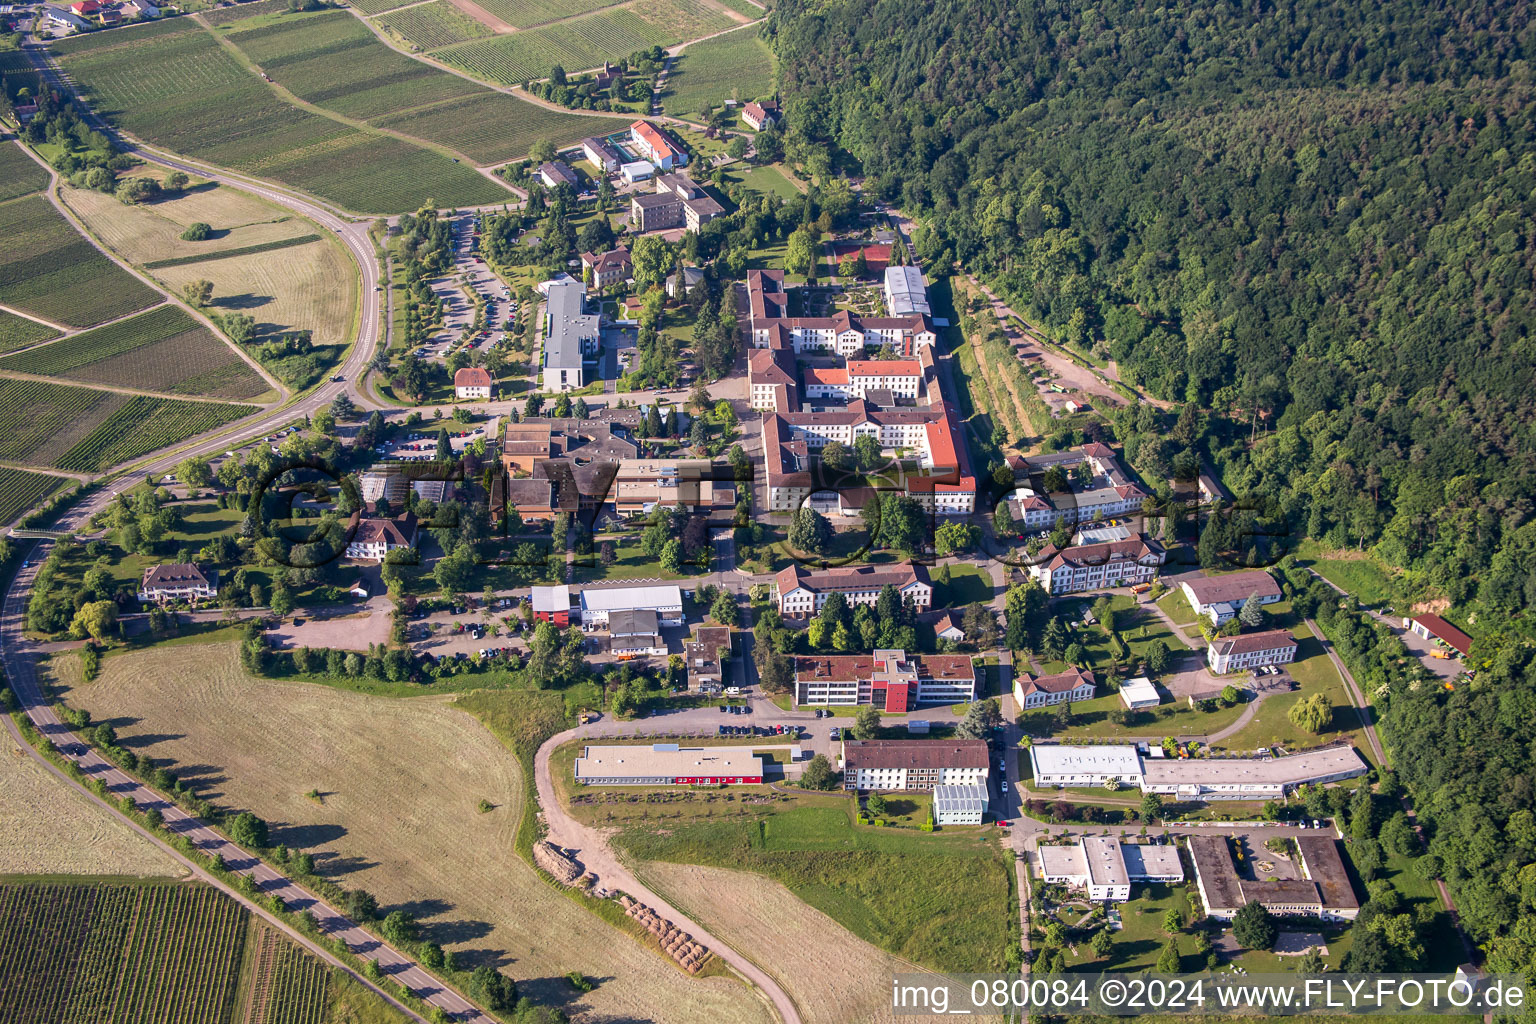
x=1312, y=219
x=1308, y=227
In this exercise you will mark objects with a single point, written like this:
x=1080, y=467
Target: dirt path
x=39, y=320
x=680, y=47
x=591, y=847
x=70, y=332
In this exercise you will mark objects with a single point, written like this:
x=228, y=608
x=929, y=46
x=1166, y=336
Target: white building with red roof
x=472, y=382
x=373, y=539
x=657, y=145
x=1250, y=650
x=802, y=592
x=890, y=680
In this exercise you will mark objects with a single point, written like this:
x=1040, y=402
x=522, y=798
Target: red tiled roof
x=656, y=139
x=471, y=377
x=1062, y=682
x=1247, y=643
x=830, y=376
x=884, y=368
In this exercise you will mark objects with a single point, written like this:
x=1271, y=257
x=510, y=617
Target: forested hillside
x=1312, y=219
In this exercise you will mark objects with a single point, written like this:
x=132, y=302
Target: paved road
x=21, y=670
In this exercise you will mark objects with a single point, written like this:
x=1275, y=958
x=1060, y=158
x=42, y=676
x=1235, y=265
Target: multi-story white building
x=913, y=765
x=906, y=293
x=1122, y=563
x=1070, y=686
x=1063, y=764
x=182, y=581
x=959, y=805
x=842, y=333
x=373, y=539
x=1099, y=488
x=903, y=378
x=890, y=680
x=1105, y=868
x=598, y=605
x=1220, y=598
x=1250, y=650
x=1204, y=778
x=803, y=592
x=472, y=382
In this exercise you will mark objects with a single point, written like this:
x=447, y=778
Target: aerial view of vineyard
x=20, y=175
x=172, y=84
x=88, y=429
x=161, y=350
x=431, y=25
x=19, y=332
x=19, y=490
x=49, y=270
x=735, y=66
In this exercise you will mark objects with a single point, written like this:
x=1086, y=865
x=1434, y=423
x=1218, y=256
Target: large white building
x=803, y=592
x=1121, y=563
x=906, y=293
x=182, y=581
x=902, y=378
x=373, y=539
x=666, y=600
x=571, y=334
x=890, y=680
x=1192, y=779
x=1222, y=597
x=1140, y=694
x=913, y=764
x=1250, y=650
x=1071, y=686
x=959, y=805
x=1105, y=867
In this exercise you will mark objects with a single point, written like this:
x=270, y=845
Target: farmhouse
x=959, y=805
x=471, y=382
x=657, y=145
x=667, y=764
x=552, y=604
x=570, y=336
x=1324, y=891
x=1105, y=867
x=558, y=172
x=1222, y=597
x=1250, y=650
x=759, y=115
x=890, y=680
x=1434, y=628
x=602, y=154
x=1123, y=563
x=913, y=764
x=598, y=605
x=906, y=294
x=706, y=658
x=1139, y=694
x=1064, y=687
x=181, y=581
x=372, y=539
x=608, y=268
x=803, y=592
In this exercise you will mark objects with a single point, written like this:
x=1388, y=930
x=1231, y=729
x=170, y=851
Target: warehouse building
x=667, y=764
x=666, y=600
x=1192, y=779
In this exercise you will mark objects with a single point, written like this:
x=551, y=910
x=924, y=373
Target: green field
x=240, y=12
x=1357, y=574
x=161, y=350
x=172, y=84
x=19, y=332
x=587, y=41
x=88, y=430
x=528, y=13
x=488, y=127
x=737, y=65
x=20, y=490
x=433, y=25
x=20, y=175
x=941, y=900
x=48, y=269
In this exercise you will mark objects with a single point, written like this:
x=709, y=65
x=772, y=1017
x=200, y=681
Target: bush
x=197, y=232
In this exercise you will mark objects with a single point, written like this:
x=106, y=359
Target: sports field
x=309, y=287
x=20, y=175
x=737, y=65
x=89, y=430
x=49, y=270
x=397, y=816
x=161, y=350
x=587, y=41
x=172, y=84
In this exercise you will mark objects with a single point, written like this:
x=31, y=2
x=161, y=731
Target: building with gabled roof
x=657, y=145
x=1250, y=650
x=602, y=153
x=178, y=581
x=1434, y=628
x=913, y=765
x=609, y=268
x=1083, y=567
x=558, y=172
x=891, y=680
x=472, y=382
x=374, y=538
x=802, y=591
x=1066, y=687
x=1220, y=598
x=759, y=115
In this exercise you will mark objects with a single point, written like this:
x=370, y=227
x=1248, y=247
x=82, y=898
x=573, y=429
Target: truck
x=1437, y=653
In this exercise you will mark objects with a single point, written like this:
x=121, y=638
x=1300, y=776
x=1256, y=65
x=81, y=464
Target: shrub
x=197, y=232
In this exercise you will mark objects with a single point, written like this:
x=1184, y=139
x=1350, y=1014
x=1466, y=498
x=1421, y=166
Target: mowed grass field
x=332, y=60
x=19, y=491
x=833, y=976
x=309, y=287
x=587, y=41
x=400, y=780
x=48, y=269
x=737, y=65
x=19, y=332
x=89, y=430
x=172, y=84
x=433, y=25
x=161, y=350
x=20, y=175
x=39, y=808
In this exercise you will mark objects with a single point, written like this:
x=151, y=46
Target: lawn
x=1315, y=674
x=397, y=815
x=737, y=65
x=1177, y=606
x=1354, y=572
x=940, y=900
x=968, y=584
x=632, y=562
x=49, y=270
x=1138, y=943
x=1090, y=718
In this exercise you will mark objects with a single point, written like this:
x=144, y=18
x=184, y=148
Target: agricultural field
x=172, y=84
x=116, y=954
x=587, y=41
x=746, y=8
x=49, y=270
x=39, y=808
x=737, y=65
x=488, y=127
x=388, y=797
x=433, y=25
x=528, y=13
x=19, y=491
x=161, y=350
x=20, y=175
x=19, y=332
x=285, y=984
x=311, y=287
x=88, y=430
x=833, y=976
x=240, y=12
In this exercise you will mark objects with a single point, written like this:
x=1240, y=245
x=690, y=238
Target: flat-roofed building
x=706, y=656
x=571, y=335
x=1250, y=650
x=1147, y=863
x=913, y=765
x=1222, y=597
x=667, y=764
x=959, y=805
x=1247, y=778
x=890, y=680
x=1139, y=694
x=1105, y=868
x=1325, y=891
x=906, y=293
x=552, y=604
x=1061, y=764
x=597, y=605
x=641, y=484
x=635, y=632
x=1321, y=862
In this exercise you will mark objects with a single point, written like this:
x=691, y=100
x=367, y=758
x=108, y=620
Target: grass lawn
x=1315, y=674
x=1090, y=718
x=769, y=180
x=967, y=584
x=1177, y=606
x=1355, y=572
x=940, y=899
x=632, y=562
x=1138, y=943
